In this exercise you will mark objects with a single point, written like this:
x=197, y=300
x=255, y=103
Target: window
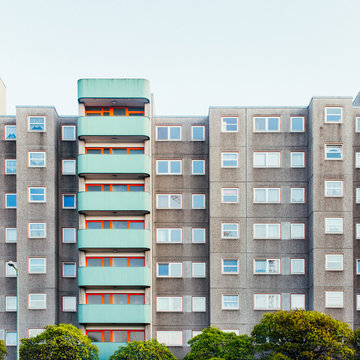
x=198, y=133
x=169, y=201
x=358, y=231
x=357, y=124
x=10, y=132
x=68, y=132
x=114, y=150
x=334, y=262
x=10, y=338
x=229, y=231
x=297, y=301
x=37, y=301
x=267, y=124
x=114, y=111
x=168, y=133
x=196, y=332
x=267, y=195
x=198, y=304
x=357, y=267
x=229, y=195
x=334, y=188
x=10, y=303
x=120, y=336
x=297, y=266
x=115, y=224
x=229, y=159
x=229, y=124
x=35, y=332
x=334, y=299
x=170, y=338
x=230, y=302
x=266, y=159
x=198, y=167
x=9, y=270
x=10, y=201
x=267, y=266
x=198, y=270
x=172, y=236
x=357, y=195
x=69, y=269
x=333, y=152
x=169, y=304
x=357, y=159
x=37, y=159
x=230, y=266
x=116, y=261
x=297, y=231
x=297, y=195
x=36, y=123
x=198, y=201
x=333, y=114
x=267, y=301
x=334, y=225
x=37, y=230
x=10, y=166
x=297, y=124
x=168, y=167
x=69, y=201
x=69, y=235
x=68, y=167
x=10, y=235
x=198, y=236
x=37, y=265
x=69, y=303
x=267, y=231
x=37, y=194
x=297, y=159
x=357, y=302
x=169, y=270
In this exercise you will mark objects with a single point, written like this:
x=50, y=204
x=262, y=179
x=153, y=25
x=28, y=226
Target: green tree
x=213, y=343
x=357, y=343
x=301, y=334
x=3, y=351
x=143, y=350
x=59, y=343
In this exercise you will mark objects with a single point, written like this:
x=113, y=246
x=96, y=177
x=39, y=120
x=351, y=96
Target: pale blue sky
x=196, y=53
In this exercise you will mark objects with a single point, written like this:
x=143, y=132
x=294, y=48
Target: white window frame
x=169, y=232
x=63, y=203
x=293, y=225
x=357, y=160
x=292, y=266
x=42, y=306
x=331, y=259
x=267, y=298
x=223, y=302
x=224, y=231
x=192, y=167
x=267, y=227
x=74, y=132
x=202, y=197
x=292, y=306
x=327, y=146
x=357, y=194
x=7, y=167
x=235, y=160
x=266, y=118
x=6, y=131
x=357, y=124
x=30, y=188
x=7, y=206
x=330, y=182
x=35, y=236
x=268, y=270
x=30, y=271
x=328, y=231
x=358, y=302
x=357, y=263
x=9, y=270
x=327, y=108
x=170, y=334
x=7, y=342
x=38, y=117
x=329, y=303
x=63, y=235
x=65, y=305
x=7, y=236
x=292, y=190
x=168, y=132
x=303, y=124
x=73, y=161
x=169, y=201
x=171, y=306
x=224, y=125
x=193, y=230
x=192, y=132
x=202, y=267
x=32, y=332
x=230, y=202
x=266, y=155
x=266, y=195
x=202, y=307
x=169, y=270
x=357, y=229
x=223, y=267
x=169, y=162
x=10, y=303
x=63, y=268
x=43, y=160
x=292, y=165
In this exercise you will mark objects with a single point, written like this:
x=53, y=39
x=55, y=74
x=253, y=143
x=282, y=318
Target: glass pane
x=93, y=188
x=273, y=124
x=137, y=336
x=175, y=133
x=94, y=225
x=93, y=151
x=136, y=151
x=69, y=269
x=274, y=195
x=106, y=151
x=119, y=188
x=198, y=235
x=106, y=187
x=119, y=112
x=260, y=124
x=175, y=201
x=162, y=132
x=119, y=225
x=162, y=235
x=137, y=262
x=107, y=224
x=119, y=151
x=198, y=133
x=120, y=299
x=119, y=262
x=120, y=336
x=107, y=336
x=95, y=336
x=94, y=262
x=260, y=266
x=175, y=167
x=94, y=299
x=68, y=132
x=69, y=201
x=106, y=298
x=163, y=269
x=136, y=188
x=137, y=299
x=162, y=167
x=106, y=261
x=175, y=235
x=137, y=225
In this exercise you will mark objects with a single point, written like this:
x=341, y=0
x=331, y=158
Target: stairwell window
x=37, y=301
x=334, y=225
x=334, y=188
x=68, y=132
x=230, y=302
x=333, y=152
x=229, y=124
x=297, y=266
x=37, y=194
x=229, y=231
x=10, y=201
x=334, y=299
x=69, y=201
x=334, y=262
x=229, y=159
x=229, y=195
x=297, y=195
x=333, y=115
x=36, y=123
x=37, y=159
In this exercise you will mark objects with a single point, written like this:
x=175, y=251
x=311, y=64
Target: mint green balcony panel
x=114, y=276
x=135, y=126
x=113, y=314
x=114, y=164
x=114, y=239
x=106, y=349
x=114, y=89
x=127, y=201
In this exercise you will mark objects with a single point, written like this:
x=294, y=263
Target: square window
x=198, y=201
x=198, y=236
x=10, y=201
x=198, y=304
x=69, y=235
x=68, y=133
x=334, y=299
x=35, y=332
x=10, y=338
x=267, y=231
x=230, y=266
x=334, y=188
x=357, y=124
x=230, y=195
x=297, y=301
x=169, y=201
x=69, y=269
x=267, y=195
x=37, y=265
x=229, y=159
x=297, y=231
x=198, y=270
x=170, y=338
x=10, y=166
x=334, y=262
x=297, y=266
x=333, y=115
x=168, y=133
x=267, y=124
x=198, y=167
x=267, y=266
x=168, y=167
x=69, y=201
x=334, y=225
x=69, y=303
x=10, y=132
x=266, y=159
x=297, y=124
x=229, y=231
x=297, y=195
x=10, y=235
x=37, y=230
x=198, y=133
x=230, y=302
x=10, y=303
x=37, y=194
x=333, y=152
x=36, y=123
x=37, y=301
x=169, y=236
x=37, y=159
x=169, y=270
x=297, y=159
x=169, y=304
x=9, y=270
x=267, y=301
x=229, y=124
x=68, y=167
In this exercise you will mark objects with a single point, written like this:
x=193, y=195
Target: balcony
x=114, y=166
x=114, y=314
x=97, y=276
x=113, y=128
x=113, y=202
x=106, y=349
x=110, y=92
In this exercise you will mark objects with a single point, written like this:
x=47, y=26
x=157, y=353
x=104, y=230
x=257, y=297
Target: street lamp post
x=17, y=309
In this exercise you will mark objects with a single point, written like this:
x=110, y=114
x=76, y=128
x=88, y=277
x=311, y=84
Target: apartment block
x=133, y=226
